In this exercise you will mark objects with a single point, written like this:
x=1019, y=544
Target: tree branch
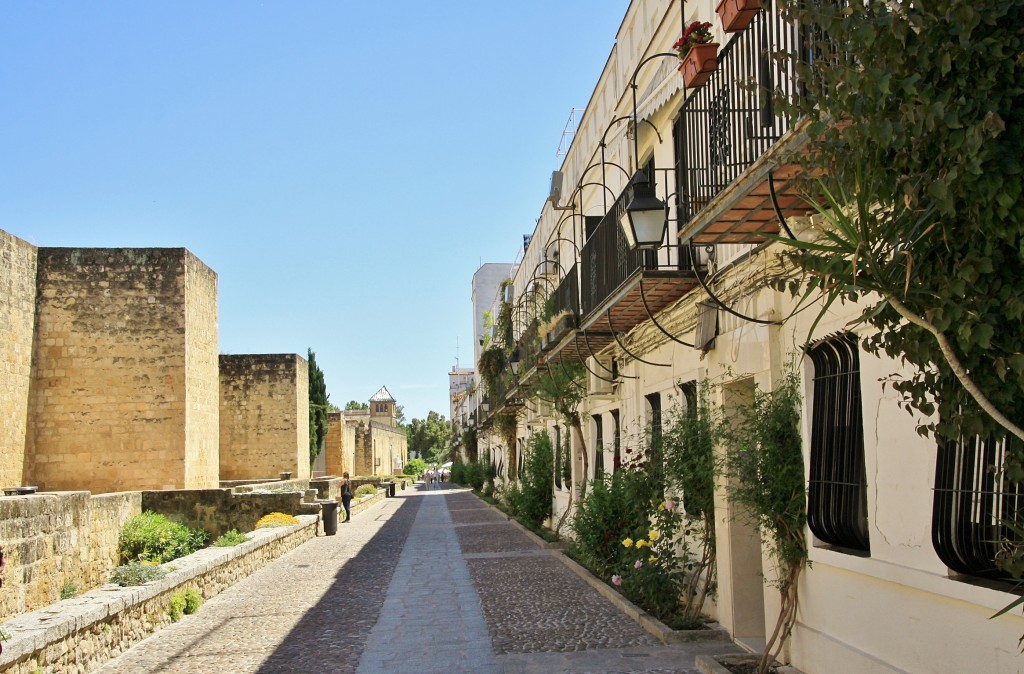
x=958, y=369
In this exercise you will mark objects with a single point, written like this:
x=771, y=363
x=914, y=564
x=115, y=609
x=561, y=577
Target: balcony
x=619, y=288
x=734, y=166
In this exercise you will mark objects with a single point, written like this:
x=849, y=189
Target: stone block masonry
x=264, y=416
x=124, y=371
x=17, y=321
x=80, y=634
x=57, y=540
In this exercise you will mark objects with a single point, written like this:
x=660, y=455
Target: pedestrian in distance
x=346, y=496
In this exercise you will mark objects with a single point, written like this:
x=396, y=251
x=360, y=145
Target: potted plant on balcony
x=737, y=14
x=697, y=53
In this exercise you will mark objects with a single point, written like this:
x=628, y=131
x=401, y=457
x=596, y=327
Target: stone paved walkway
x=430, y=581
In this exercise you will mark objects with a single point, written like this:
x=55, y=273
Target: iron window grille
x=837, y=492
x=976, y=506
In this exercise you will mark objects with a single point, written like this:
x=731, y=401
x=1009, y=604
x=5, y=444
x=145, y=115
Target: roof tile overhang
x=641, y=297
x=748, y=209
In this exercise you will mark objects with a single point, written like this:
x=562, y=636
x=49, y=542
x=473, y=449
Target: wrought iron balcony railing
x=607, y=261
x=567, y=294
x=732, y=121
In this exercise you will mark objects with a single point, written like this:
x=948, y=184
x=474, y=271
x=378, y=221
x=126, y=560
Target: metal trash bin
x=390, y=486
x=329, y=512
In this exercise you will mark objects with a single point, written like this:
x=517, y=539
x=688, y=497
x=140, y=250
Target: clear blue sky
x=343, y=166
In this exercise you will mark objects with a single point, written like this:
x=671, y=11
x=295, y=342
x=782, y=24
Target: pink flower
x=670, y=505
x=616, y=580
x=639, y=563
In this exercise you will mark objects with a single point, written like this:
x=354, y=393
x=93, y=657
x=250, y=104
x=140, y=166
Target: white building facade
x=883, y=593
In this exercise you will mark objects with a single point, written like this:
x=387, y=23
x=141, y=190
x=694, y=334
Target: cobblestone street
x=430, y=581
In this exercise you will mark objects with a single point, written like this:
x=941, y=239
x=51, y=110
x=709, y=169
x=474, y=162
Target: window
x=837, y=493
x=973, y=502
x=558, y=456
x=598, y=446
x=654, y=434
x=617, y=456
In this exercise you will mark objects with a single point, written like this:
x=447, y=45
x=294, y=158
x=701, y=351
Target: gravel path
x=430, y=581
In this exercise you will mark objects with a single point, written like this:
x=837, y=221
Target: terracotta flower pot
x=698, y=64
x=737, y=14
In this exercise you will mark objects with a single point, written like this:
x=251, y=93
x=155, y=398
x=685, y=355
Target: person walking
x=346, y=496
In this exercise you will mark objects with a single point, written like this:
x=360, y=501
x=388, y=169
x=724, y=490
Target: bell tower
x=382, y=407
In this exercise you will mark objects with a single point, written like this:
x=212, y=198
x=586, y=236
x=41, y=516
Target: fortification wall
x=264, y=416
x=57, y=540
x=202, y=381
x=107, y=405
x=17, y=320
x=334, y=445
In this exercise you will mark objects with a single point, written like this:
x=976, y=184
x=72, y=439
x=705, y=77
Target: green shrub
x=615, y=507
x=176, y=608
x=68, y=590
x=151, y=537
x=366, y=490
x=476, y=475
x=458, y=472
x=136, y=573
x=530, y=500
x=415, y=467
x=230, y=539
x=193, y=600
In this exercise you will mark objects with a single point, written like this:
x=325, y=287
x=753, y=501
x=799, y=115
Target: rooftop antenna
x=568, y=133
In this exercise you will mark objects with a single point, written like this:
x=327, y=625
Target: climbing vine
x=765, y=476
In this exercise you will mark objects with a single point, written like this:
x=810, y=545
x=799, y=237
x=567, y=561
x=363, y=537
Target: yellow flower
x=661, y=507
x=652, y=559
x=641, y=543
x=654, y=535
x=629, y=543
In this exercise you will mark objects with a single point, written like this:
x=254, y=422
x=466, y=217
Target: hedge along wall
x=59, y=538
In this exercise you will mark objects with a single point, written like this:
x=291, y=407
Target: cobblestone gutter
x=78, y=635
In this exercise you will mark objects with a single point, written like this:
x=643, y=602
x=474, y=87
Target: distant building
x=366, y=442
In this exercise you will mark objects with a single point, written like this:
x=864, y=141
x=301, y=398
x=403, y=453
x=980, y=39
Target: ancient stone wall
x=17, y=320
x=334, y=444
x=84, y=633
x=264, y=416
x=202, y=383
x=108, y=406
x=219, y=510
x=363, y=450
x=390, y=448
x=57, y=540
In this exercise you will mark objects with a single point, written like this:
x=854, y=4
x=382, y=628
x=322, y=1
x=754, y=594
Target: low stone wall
x=218, y=510
x=56, y=540
x=80, y=634
x=327, y=487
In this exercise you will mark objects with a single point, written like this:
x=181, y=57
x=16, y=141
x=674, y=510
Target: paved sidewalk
x=430, y=581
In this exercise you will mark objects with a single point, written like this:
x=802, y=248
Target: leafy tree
x=318, y=406
x=530, y=501
x=400, y=416
x=563, y=386
x=356, y=405
x=917, y=120
x=428, y=438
